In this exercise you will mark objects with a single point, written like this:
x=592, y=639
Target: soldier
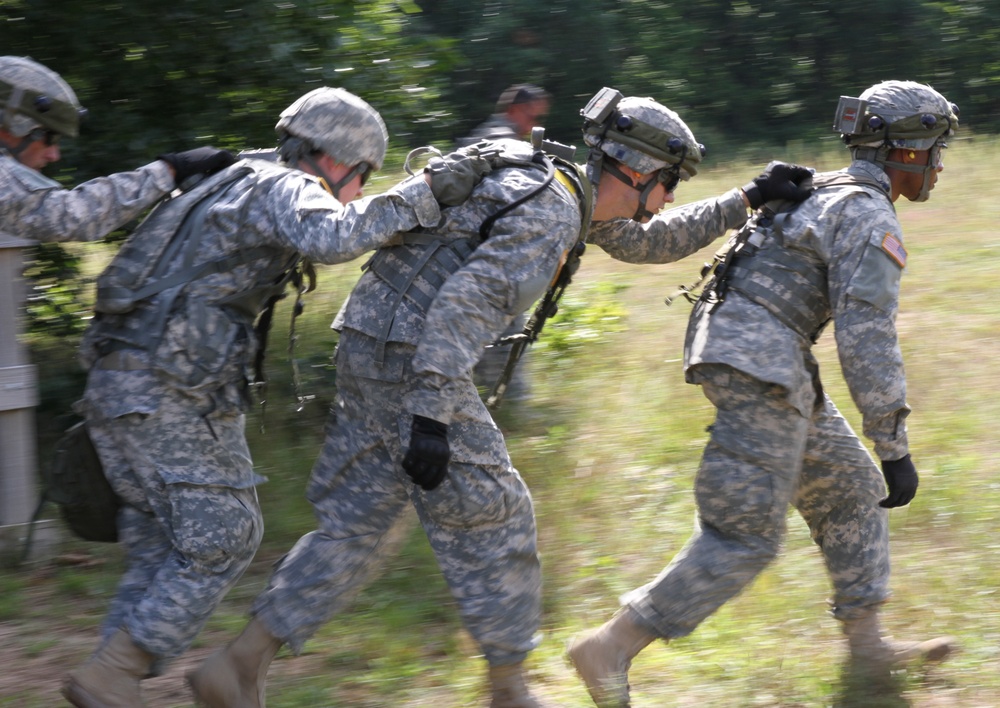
x=409, y=427
x=37, y=108
x=520, y=108
x=777, y=438
x=167, y=373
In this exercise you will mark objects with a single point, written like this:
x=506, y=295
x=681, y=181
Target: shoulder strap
x=539, y=158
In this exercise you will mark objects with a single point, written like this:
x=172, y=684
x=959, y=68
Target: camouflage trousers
x=762, y=457
x=480, y=521
x=190, y=523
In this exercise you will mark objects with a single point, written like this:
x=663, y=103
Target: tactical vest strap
x=416, y=275
x=767, y=281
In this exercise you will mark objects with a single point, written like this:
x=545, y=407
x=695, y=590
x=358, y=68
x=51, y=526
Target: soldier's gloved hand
x=426, y=460
x=901, y=478
x=199, y=161
x=455, y=175
x=780, y=180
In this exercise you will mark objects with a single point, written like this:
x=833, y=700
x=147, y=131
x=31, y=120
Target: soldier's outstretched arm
x=319, y=227
x=671, y=234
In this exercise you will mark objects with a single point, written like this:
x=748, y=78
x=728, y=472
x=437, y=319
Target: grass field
x=609, y=444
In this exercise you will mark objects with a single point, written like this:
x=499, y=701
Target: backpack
x=138, y=270
x=138, y=289
x=75, y=482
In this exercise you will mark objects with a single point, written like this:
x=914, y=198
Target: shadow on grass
x=861, y=687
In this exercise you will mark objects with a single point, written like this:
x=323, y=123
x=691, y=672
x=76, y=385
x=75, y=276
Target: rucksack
x=75, y=482
x=137, y=291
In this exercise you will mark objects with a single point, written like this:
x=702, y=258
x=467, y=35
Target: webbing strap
x=777, y=283
x=190, y=274
x=400, y=293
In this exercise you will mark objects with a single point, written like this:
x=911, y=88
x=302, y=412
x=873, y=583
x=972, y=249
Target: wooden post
x=18, y=398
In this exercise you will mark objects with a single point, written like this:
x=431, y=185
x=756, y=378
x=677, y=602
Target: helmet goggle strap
x=649, y=140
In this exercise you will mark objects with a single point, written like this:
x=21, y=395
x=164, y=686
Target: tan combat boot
x=509, y=688
x=878, y=654
x=235, y=676
x=110, y=678
x=603, y=656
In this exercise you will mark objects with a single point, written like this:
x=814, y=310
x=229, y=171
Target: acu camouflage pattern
x=207, y=341
x=844, y=231
x=672, y=234
x=339, y=124
x=764, y=455
x=190, y=523
x=480, y=520
x=33, y=206
x=777, y=439
x=169, y=426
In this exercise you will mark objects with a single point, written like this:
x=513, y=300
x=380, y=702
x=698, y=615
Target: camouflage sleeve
x=672, y=234
x=866, y=264
x=316, y=225
x=502, y=278
x=34, y=207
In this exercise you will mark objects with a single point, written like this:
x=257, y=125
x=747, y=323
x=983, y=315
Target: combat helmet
x=34, y=97
x=897, y=114
x=643, y=135
x=337, y=123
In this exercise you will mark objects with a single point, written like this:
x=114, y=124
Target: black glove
x=426, y=460
x=455, y=175
x=779, y=180
x=203, y=160
x=901, y=477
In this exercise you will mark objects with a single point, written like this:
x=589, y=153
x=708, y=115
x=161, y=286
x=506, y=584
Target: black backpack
x=75, y=482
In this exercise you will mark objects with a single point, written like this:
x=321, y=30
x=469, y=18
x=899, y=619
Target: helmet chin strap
x=644, y=189
x=333, y=187
x=21, y=146
x=880, y=156
x=930, y=168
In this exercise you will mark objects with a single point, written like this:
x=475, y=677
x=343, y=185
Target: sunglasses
x=669, y=178
x=365, y=171
x=50, y=137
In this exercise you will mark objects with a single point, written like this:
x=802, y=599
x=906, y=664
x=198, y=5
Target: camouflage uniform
x=777, y=439
x=489, y=368
x=168, y=423
x=480, y=520
x=36, y=207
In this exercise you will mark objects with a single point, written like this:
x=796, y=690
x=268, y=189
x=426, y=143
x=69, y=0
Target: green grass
x=608, y=445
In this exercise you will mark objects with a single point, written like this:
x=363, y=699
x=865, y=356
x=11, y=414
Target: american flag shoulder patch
x=894, y=248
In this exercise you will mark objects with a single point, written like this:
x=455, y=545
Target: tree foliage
x=160, y=76
x=168, y=75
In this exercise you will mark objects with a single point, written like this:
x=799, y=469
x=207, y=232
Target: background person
x=520, y=108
